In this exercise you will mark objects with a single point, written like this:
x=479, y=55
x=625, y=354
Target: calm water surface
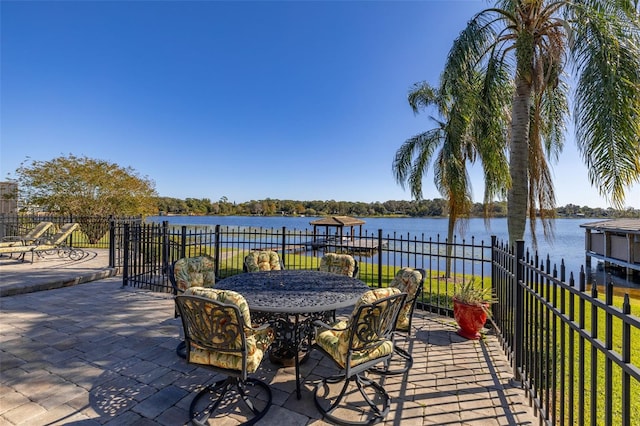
x=567, y=243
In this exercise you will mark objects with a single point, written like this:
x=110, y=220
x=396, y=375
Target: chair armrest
x=263, y=327
x=326, y=326
x=264, y=335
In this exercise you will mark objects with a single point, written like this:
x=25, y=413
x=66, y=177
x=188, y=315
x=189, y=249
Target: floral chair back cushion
x=343, y=264
x=194, y=272
x=407, y=280
x=265, y=260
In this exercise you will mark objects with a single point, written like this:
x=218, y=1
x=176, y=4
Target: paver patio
x=98, y=353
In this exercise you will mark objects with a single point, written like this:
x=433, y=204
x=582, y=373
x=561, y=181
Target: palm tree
x=462, y=133
x=536, y=42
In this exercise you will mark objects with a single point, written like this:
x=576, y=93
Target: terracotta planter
x=470, y=318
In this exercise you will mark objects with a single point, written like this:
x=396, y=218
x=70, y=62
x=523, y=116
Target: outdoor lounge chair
x=355, y=346
x=56, y=241
x=28, y=238
x=49, y=245
x=219, y=336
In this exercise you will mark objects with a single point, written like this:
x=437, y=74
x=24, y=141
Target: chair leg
x=244, y=394
x=219, y=388
x=216, y=393
x=181, y=350
x=378, y=410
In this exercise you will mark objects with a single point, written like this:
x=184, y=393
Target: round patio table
x=291, y=300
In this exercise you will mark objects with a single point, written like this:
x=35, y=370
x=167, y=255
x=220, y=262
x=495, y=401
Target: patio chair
x=219, y=336
x=356, y=345
x=22, y=240
x=187, y=272
x=409, y=281
x=262, y=260
x=336, y=263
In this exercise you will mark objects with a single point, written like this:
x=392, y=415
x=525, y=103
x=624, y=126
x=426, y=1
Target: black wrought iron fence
x=151, y=248
x=575, y=349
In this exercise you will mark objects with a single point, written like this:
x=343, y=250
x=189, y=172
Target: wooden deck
x=357, y=245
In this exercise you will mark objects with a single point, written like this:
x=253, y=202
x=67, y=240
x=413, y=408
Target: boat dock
x=360, y=246
x=356, y=245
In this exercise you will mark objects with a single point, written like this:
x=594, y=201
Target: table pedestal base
x=286, y=358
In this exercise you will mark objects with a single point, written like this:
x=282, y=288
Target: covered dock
x=338, y=222
x=616, y=242
x=334, y=235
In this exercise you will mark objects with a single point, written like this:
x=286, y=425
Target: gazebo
x=338, y=222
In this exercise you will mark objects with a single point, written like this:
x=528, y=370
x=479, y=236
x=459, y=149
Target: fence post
x=626, y=358
x=125, y=263
x=165, y=247
x=112, y=242
x=284, y=241
x=216, y=252
x=71, y=236
x=379, y=257
x=183, y=242
x=494, y=275
x=518, y=308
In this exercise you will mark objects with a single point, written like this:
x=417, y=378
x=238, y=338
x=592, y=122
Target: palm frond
x=412, y=160
x=421, y=95
x=607, y=110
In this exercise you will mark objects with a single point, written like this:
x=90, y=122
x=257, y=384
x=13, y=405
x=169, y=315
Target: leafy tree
x=536, y=42
x=84, y=187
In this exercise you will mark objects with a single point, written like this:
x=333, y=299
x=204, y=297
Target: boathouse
x=616, y=242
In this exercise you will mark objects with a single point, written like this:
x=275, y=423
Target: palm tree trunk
x=518, y=195
x=450, y=229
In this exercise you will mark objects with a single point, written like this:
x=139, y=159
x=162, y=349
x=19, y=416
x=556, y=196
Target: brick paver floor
x=97, y=353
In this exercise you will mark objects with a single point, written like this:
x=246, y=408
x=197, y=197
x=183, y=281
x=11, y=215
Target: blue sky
x=300, y=100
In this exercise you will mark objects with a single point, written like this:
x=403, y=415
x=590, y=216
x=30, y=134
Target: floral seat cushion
x=335, y=341
x=343, y=264
x=257, y=340
x=265, y=260
x=194, y=272
x=407, y=280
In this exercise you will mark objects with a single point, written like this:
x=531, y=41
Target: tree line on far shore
x=83, y=186
x=423, y=208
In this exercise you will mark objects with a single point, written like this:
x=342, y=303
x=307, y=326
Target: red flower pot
x=470, y=318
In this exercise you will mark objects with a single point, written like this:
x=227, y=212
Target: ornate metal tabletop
x=290, y=300
x=295, y=291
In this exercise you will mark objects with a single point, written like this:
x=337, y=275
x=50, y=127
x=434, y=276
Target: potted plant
x=471, y=308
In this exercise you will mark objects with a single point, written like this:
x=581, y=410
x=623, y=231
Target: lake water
x=567, y=244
